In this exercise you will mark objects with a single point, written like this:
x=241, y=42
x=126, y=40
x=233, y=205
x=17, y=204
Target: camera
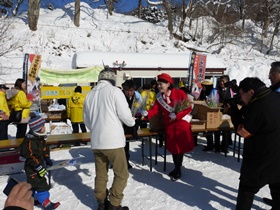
x=234, y=101
x=233, y=85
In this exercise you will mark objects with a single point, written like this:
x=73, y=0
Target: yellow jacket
x=150, y=98
x=20, y=102
x=75, y=108
x=3, y=104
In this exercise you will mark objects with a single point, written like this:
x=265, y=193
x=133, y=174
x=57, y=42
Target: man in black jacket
x=258, y=123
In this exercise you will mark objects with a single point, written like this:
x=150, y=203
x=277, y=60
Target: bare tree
x=15, y=12
x=7, y=43
x=169, y=12
x=33, y=14
x=276, y=20
x=77, y=13
x=139, y=8
x=110, y=5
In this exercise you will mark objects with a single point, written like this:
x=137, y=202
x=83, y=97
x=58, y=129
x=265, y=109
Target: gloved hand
x=144, y=113
x=172, y=115
x=41, y=170
x=48, y=161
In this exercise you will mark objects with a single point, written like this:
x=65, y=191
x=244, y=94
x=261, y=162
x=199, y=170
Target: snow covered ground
x=209, y=181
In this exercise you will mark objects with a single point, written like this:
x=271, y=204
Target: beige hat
x=207, y=82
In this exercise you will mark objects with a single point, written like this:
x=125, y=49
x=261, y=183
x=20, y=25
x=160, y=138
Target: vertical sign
x=31, y=76
x=199, y=69
x=191, y=67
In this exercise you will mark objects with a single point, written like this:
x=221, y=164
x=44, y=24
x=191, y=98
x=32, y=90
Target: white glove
x=144, y=113
x=172, y=115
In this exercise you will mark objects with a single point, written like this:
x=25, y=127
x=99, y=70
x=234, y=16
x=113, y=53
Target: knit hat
x=165, y=77
x=207, y=82
x=107, y=74
x=78, y=89
x=36, y=123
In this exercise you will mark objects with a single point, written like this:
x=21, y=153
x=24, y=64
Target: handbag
x=15, y=116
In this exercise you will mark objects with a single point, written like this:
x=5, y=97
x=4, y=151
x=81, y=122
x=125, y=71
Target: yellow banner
x=52, y=92
x=35, y=65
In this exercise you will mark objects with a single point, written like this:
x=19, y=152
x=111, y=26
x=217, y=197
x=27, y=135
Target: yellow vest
x=75, y=108
x=3, y=104
x=20, y=102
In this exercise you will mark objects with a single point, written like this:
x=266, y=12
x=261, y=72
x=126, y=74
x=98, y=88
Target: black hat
x=3, y=86
x=78, y=89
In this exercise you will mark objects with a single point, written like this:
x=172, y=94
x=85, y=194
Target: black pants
x=75, y=127
x=178, y=160
x=246, y=194
x=226, y=138
x=126, y=149
x=4, y=129
x=21, y=130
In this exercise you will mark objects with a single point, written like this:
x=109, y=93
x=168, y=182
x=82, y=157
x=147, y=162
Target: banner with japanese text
x=31, y=66
x=197, y=70
x=52, y=92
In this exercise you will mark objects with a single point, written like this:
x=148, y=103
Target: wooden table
x=84, y=138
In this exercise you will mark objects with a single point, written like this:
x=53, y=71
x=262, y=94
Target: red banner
x=199, y=69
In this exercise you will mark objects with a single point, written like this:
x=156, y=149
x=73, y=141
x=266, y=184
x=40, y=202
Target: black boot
x=104, y=205
x=111, y=207
x=209, y=147
x=171, y=173
x=178, y=164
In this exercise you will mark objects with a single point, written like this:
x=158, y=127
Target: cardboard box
x=10, y=162
x=211, y=115
x=60, y=128
x=198, y=124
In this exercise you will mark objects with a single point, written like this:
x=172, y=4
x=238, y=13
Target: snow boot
x=104, y=205
x=178, y=160
x=48, y=205
x=111, y=207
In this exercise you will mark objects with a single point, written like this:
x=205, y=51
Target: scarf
x=166, y=96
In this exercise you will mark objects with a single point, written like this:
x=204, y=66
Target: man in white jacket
x=105, y=109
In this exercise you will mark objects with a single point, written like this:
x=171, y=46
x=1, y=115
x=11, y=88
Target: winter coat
x=20, y=102
x=150, y=98
x=105, y=109
x=179, y=138
x=75, y=108
x=276, y=87
x=261, y=157
x=3, y=104
x=34, y=150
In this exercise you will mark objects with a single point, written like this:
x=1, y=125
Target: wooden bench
x=84, y=138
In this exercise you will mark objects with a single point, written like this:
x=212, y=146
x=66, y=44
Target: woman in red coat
x=179, y=138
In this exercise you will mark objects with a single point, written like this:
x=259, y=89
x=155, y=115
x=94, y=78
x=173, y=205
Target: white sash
x=163, y=103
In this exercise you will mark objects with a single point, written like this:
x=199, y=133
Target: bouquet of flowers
x=138, y=106
x=181, y=105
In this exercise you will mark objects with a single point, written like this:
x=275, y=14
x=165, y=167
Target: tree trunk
x=169, y=15
x=77, y=13
x=110, y=6
x=33, y=14
x=139, y=8
x=275, y=32
x=184, y=16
